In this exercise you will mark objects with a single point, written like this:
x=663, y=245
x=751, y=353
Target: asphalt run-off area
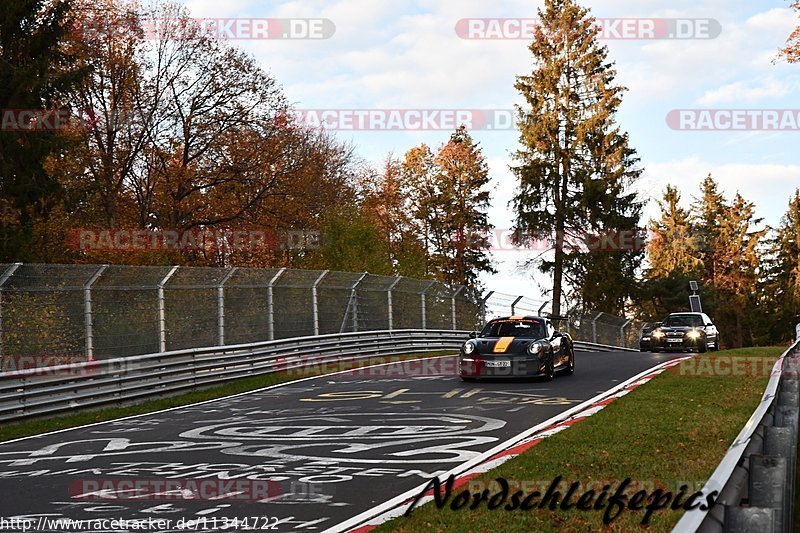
x=303, y=456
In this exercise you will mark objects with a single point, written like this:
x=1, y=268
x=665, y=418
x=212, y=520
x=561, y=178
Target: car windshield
x=691, y=321
x=514, y=328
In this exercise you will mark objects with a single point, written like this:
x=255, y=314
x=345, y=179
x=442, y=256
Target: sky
x=408, y=55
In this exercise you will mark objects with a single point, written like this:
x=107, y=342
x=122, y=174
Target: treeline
x=749, y=273
x=174, y=130
x=576, y=176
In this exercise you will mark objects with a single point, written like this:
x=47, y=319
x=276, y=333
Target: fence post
x=315, y=302
x=453, y=306
x=594, y=327
x=88, y=322
x=354, y=298
x=162, y=319
x=622, y=334
x=514, y=305
x=221, y=306
x=270, y=305
x=389, y=300
x=483, y=305
x=7, y=274
x=422, y=303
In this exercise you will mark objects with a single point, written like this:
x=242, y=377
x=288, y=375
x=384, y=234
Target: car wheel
x=550, y=369
x=571, y=364
x=702, y=347
x=463, y=378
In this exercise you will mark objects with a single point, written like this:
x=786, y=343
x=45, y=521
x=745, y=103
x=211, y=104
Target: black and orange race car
x=517, y=346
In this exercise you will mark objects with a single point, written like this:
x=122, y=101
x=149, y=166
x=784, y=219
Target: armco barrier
x=58, y=389
x=755, y=481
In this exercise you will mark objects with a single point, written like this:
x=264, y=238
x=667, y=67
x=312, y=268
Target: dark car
x=685, y=332
x=644, y=338
x=517, y=346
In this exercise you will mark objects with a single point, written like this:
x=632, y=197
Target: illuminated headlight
x=534, y=348
x=694, y=334
x=469, y=347
x=658, y=334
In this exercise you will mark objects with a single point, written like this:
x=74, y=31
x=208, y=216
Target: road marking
x=363, y=519
x=204, y=402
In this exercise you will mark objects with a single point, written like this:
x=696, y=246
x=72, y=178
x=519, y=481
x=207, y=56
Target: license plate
x=674, y=340
x=498, y=364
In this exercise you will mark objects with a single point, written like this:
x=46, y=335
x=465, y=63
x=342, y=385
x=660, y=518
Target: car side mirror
x=473, y=334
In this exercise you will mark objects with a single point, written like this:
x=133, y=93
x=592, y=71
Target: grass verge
x=37, y=426
x=672, y=431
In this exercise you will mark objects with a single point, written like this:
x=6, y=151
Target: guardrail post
x=221, y=306
x=453, y=306
x=423, y=308
x=7, y=274
x=622, y=334
x=315, y=302
x=389, y=301
x=162, y=315
x=271, y=305
x=768, y=485
x=514, y=305
x=88, y=322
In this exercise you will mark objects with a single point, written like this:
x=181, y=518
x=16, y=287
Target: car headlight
x=534, y=348
x=469, y=347
x=694, y=334
x=657, y=334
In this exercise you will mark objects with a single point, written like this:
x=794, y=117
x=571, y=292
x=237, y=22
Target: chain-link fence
x=67, y=313
x=587, y=326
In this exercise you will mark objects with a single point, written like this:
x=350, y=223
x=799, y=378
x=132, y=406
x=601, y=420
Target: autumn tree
x=460, y=236
x=575, y=166
x=447, y=202
x=37, y=71
x=791, y=52
x=385, y=204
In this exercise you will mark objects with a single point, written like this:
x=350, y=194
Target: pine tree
x=708, y=212
x=671, y=247
x=575, y=167
x=737, y=267
x=460, y=240
x=782, y=285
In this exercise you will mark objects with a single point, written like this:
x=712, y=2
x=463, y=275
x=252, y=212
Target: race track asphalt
x=303, y=456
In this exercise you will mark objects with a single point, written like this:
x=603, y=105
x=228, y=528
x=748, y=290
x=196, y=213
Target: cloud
x=742, y=92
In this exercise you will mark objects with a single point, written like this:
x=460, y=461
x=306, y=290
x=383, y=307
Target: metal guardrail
x=592, y=347
x=759, y=467
x=57, y=389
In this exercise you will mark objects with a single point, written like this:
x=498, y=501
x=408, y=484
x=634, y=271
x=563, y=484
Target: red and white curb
x=500, y=454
